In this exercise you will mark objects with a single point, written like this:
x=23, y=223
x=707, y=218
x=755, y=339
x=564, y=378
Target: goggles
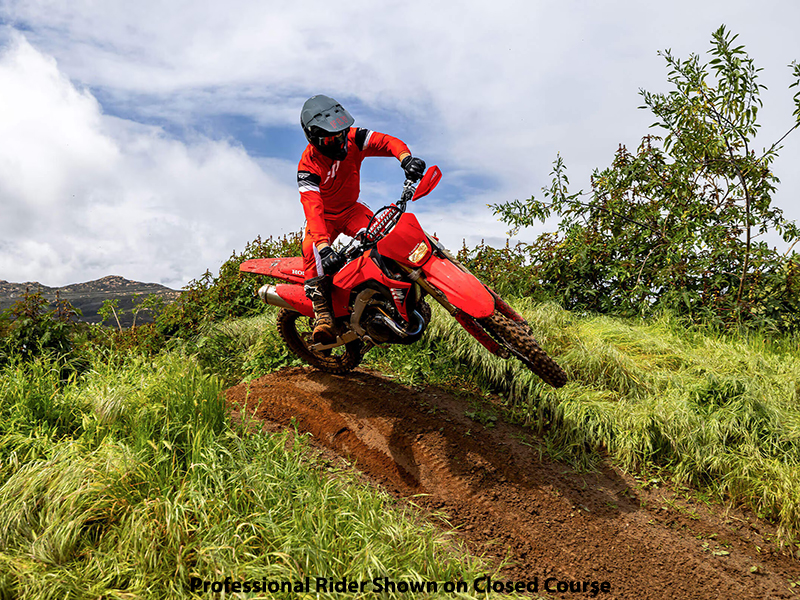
x=337, y=139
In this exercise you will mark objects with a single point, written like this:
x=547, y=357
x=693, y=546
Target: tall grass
x=129, y=481
x=242, y=348
x=720, y=413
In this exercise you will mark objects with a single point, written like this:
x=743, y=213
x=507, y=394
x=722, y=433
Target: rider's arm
x=308, y=183
x=373, y=143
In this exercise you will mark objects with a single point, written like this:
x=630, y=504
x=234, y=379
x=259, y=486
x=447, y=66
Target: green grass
x=720, y=413
x=242, y=348
x=129, y=481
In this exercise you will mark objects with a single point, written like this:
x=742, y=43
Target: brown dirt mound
x=508, y=500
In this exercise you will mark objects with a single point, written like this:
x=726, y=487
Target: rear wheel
x=296, y=330
x=517, y=337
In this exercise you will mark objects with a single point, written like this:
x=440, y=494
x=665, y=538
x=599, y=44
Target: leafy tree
x=151, y=305
x=111, y=308
x=29, y=330
x=679, y=222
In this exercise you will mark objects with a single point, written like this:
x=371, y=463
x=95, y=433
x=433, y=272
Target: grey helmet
x=326, y=124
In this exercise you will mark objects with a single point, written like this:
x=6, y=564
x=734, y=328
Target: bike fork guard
x=504, y=308
x=476, y=331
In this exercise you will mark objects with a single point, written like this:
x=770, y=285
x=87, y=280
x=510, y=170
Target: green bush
x=230, y=294
x=28, y=331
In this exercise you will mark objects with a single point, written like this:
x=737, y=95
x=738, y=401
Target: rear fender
x=289, y=269
x=462, y=289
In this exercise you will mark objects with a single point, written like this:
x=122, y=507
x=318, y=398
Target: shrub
x=28, y=330
x=229, y=294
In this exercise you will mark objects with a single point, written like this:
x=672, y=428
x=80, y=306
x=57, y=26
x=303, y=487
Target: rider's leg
x=318, y=290
x=355, y=219
x=317, y=285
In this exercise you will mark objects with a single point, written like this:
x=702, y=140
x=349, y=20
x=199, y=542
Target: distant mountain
x=89, y=297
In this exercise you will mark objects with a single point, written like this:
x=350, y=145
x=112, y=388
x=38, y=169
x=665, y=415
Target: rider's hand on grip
x=414, y=168
x=331, y=260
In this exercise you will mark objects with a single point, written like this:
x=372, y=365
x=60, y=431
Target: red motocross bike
x=378, y=296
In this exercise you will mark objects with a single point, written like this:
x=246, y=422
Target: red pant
x=349, y=222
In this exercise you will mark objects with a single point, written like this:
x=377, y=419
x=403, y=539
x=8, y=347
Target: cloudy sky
x=150, y=139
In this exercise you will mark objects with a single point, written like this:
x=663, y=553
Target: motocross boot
x=318, y=291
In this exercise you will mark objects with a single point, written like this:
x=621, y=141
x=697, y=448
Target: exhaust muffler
x=269, y=295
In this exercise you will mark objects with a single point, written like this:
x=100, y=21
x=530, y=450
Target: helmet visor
x=335, y=140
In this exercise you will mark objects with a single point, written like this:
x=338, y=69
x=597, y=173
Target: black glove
x=414, y=168
x=332, y=261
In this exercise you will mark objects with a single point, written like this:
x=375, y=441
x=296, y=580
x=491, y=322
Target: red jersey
x=329, y=187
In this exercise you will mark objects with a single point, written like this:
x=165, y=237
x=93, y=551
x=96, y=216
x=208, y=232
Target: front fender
x=463, y=290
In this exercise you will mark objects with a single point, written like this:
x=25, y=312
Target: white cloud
x=490, y=91
x=85, y=195
x=499, y=88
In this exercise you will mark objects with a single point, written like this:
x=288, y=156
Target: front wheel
x=296, y=330
x=517, y=337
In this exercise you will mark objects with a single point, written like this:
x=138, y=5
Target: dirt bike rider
x=328, y=176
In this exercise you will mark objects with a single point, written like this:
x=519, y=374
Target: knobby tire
x=299, y=342
x=517, y=337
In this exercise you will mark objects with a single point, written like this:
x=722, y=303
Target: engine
x=386, y=327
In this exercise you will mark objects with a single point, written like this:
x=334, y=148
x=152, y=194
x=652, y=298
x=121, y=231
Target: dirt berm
x=507, y=499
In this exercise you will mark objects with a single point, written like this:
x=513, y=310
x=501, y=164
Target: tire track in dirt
x=508, y=501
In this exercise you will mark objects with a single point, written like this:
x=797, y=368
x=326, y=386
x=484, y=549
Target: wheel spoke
x=296, y=330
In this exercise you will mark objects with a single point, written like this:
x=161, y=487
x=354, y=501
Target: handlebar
x=381, y=224
x=386, y=218
x=409, y=187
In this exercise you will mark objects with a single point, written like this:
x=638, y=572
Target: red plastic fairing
x=288, y=269
x=296, y=296
x=355, y=273
x=403, y=239
x=462, y=289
